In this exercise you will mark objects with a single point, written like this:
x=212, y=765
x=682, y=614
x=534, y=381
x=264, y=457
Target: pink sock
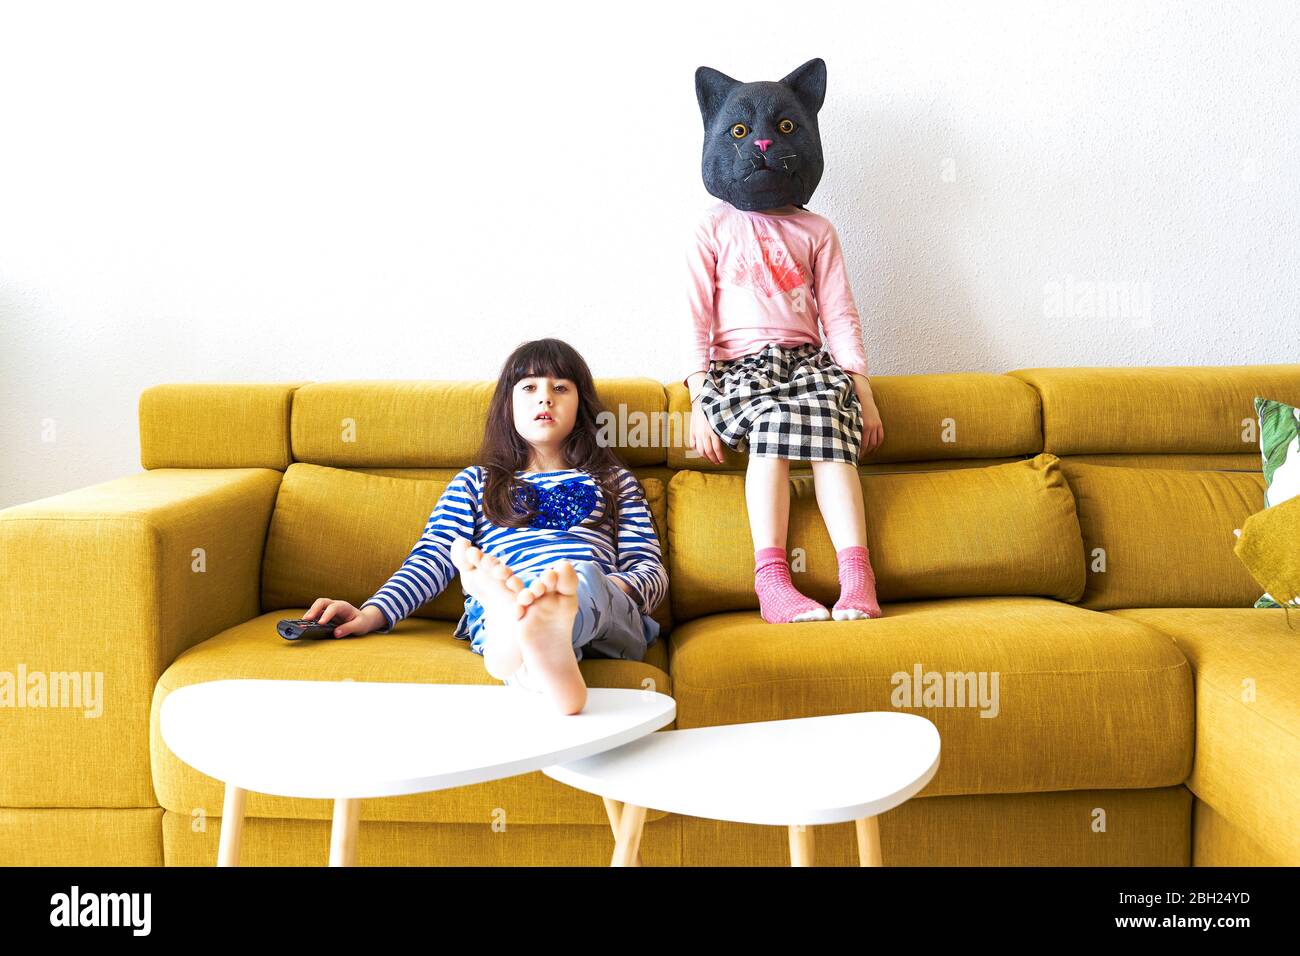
x=857, y=586
x=779, y=600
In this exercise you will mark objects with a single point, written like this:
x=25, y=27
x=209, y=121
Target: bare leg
x=501, y=655
x=767, y=496
x=839, y=498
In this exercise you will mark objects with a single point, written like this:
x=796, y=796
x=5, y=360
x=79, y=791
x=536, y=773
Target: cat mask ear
x=711, y=89
x=809, y=83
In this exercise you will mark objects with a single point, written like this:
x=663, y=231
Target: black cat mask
x=762, y=148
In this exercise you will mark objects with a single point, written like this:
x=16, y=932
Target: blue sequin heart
x=559, y=507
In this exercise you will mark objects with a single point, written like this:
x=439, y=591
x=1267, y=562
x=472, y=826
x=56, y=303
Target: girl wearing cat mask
x=764, y=274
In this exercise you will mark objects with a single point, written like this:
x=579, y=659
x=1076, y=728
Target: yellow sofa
x=1069, y=530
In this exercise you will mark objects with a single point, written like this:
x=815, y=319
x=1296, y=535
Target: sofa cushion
x=1246, y=668
x=216, y=425
x=1082, y=699
x=1156, y=537
x=1004, y=529
x=439, y=424
x=1175, y=410
x=1246, y=461
x=958, y=415
x=341, y=534
x=420, y=651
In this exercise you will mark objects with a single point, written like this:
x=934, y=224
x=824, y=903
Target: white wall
x=269, y=192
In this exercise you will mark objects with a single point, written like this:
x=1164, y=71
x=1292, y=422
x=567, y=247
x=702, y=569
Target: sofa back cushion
x=439, y=424
x=945, y=417
x=1155, y=537
x=341, y=534
x=1001, y=529
x=1159, y=410
x=216, y=425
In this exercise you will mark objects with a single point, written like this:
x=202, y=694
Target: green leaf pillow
x=1279, y=445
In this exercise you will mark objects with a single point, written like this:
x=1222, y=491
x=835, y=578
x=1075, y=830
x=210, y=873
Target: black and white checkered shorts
x=785, y=402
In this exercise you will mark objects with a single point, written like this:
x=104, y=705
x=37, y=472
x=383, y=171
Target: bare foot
x=475, y=567
x=491, y=582
x=546, y=636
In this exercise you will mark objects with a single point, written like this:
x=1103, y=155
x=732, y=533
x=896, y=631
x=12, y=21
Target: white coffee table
x=794, y=773
x=351, y=740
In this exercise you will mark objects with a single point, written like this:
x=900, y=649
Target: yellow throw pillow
x=1269, y=547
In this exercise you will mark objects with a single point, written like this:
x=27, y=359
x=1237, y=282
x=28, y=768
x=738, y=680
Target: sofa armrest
x=101, y=589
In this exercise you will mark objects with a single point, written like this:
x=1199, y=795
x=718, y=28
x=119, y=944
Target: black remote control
x=292, y=630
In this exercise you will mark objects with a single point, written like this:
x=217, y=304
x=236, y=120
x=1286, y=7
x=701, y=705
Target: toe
x=566, y=578
x=500, y=571
x=531, y=593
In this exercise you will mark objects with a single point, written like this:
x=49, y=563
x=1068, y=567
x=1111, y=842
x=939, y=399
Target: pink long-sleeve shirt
x=760, y=277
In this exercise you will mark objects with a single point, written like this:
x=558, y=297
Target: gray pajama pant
x=609, y=623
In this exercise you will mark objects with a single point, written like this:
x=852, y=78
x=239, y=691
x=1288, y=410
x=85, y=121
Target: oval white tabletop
x=806, y=770
x=357, y=739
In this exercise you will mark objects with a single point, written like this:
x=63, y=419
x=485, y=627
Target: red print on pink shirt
x=769, y=270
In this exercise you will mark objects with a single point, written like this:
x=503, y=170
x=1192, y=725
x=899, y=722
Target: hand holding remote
x=349, y=621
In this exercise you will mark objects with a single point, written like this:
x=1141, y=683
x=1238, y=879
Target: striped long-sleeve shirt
x=561, y=532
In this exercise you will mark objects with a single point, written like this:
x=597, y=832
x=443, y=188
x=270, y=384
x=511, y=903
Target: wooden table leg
x=801, y=845
x=628, y=839
x=868, y=842
x=232, y=826
x=614, y=810
x=343, y=833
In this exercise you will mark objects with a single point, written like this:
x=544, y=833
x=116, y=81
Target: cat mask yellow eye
x=740, y=131
x=786, y=126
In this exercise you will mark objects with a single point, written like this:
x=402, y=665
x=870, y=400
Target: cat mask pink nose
x=763, y=144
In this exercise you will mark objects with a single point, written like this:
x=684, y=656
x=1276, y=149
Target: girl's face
x=546, y=410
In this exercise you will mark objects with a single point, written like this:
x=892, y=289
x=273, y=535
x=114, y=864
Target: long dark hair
x=504, y=451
